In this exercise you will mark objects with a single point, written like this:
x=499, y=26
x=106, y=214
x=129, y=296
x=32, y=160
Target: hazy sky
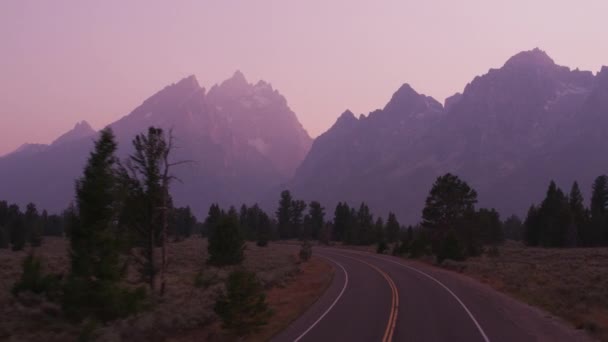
x=64, y=61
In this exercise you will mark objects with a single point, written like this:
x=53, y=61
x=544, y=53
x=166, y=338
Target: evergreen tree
x=213, y=218
x=264, y=227
x=513, y=228
x=4, y=238
x=342, y=223
x=554, y=218
x=364, y=226
x=297, y=218
x=392, y=228
x=579, y=228
x=317, y=219
x=225, y=244
x=325, y=234
x=306, y=233
x=379, y=231
x=243, y=222
x=96, y=267
x=33, y=225
x=490, y=226
x=532, y=227
x=242, y=308
x=17, y=229
x=449, y=214
x=449, y=200
x=284, y=215
x=599, y=208
x=183, y=223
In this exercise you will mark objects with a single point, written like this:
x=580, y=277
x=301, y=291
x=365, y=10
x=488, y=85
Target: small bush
x=101, y=300
x=204, y=281
x=306, y=251
x=382, y=247
x=262, y=243
x=33, y=280
x=493, y=252
x=243, y=308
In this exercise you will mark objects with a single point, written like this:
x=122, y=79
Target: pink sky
x=65, y=61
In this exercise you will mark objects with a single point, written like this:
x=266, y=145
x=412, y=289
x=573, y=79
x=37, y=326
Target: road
x=383, y=298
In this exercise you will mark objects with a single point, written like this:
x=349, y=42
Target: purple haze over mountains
x=243, y=139
x=508, y=134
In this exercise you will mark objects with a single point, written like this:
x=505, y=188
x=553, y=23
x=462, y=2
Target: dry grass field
x=187, y=307
x=569, y=283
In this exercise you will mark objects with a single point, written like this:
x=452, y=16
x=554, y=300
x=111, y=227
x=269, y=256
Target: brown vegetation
x=569, y=283
x=192, y=287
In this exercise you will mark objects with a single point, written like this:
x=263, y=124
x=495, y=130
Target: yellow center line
x=392, y=319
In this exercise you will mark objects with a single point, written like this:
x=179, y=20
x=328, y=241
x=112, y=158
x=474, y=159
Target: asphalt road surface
x=383, y=298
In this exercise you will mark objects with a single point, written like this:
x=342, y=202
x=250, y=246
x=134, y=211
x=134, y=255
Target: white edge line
x=332, y=304
x=483, y=334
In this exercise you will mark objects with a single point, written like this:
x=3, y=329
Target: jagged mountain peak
x=238, y=76
x=188, y=82
x=535, y=58
x=82, y=129
x=83, y=126
x=407, y=101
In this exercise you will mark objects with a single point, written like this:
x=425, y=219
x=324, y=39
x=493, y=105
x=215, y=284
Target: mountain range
x=508, y=134
x=242, y=139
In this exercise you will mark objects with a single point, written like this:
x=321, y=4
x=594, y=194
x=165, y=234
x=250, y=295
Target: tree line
x=18, y=228
x=563, y=220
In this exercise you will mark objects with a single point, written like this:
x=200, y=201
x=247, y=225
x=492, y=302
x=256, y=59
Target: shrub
x=33, y=280
x=101, y=300
x=305, y=251
x=243, y=308
x=382, y=247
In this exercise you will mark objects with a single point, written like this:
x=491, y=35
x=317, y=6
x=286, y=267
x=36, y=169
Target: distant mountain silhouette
x=509, y=133
x=243, y=139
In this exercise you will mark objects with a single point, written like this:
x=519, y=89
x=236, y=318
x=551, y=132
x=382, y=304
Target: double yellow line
x=392, y=319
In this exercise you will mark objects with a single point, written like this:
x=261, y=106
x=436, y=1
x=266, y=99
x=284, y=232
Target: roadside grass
x=569, y=283
x=192, y=287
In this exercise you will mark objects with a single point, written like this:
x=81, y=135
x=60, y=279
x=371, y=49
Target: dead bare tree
x=147, y=177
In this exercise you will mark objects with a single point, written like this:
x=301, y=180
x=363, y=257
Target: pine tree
x=4, y=238
x=364, y=226
x=225, y=245
x=297, y=218
x=392, y=228
x=554, y=218
x=33, y=225
x=599, y=208
x=284, y=215
x=96, y=268
x=242, y=308
x=17, y=229
x=317, y=219
x=449, y=200
x=263, y=228
x=490, y=226
x=532, y=229
x=449, y=214
x=579, y=228
x=513, y=228
x=213, y=218
x=342, y=223
x=379, y=231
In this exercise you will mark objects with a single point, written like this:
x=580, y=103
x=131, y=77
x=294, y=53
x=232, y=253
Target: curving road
x=383, y=298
